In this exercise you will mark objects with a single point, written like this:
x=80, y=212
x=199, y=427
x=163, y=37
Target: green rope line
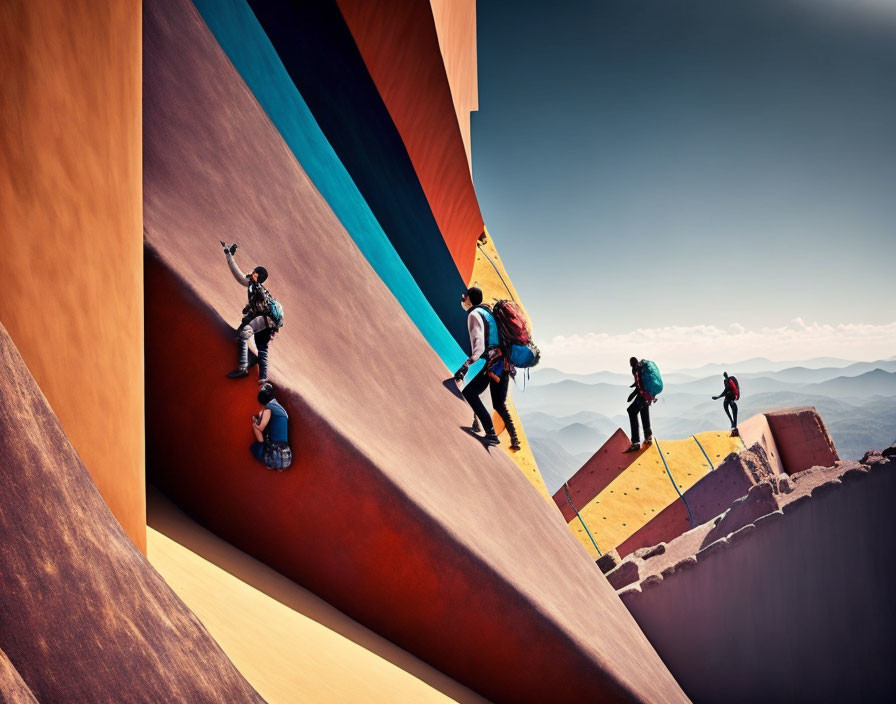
x=672, y=479
x=711, y=468
x=569, y=500
x=509, y=293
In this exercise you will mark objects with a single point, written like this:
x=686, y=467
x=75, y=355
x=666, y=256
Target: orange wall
x=400, y=47
x=456, y=27
x=71, y=227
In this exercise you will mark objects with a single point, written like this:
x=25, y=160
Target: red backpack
x=515, y=336
x=512, y=327
x=735, y=386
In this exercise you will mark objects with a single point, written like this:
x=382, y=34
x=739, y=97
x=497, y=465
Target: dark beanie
x=262, y=274
x=266, y=393
x=474, y=293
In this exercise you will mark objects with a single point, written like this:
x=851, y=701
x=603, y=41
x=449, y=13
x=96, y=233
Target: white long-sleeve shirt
x=476, y=328
x=235, y=270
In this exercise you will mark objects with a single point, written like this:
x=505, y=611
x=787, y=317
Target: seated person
x=271, y=444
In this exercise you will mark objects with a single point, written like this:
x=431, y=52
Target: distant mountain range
x=568, y=416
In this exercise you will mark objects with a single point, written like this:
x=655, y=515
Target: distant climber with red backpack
x=262, y=317
x=731, y=394
x=647, y=386
x=501, y=336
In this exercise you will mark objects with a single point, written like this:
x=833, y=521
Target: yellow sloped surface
x=524, y=458
x=290, y=645
x=644, y=489
x=490, y=275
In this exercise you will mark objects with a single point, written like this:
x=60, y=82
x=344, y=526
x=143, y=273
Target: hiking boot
x=515, y=443
x=735, y=432
x=476, y=428
x=491, y=439
x=238, y=373
x=634, y=447
x=648, y=440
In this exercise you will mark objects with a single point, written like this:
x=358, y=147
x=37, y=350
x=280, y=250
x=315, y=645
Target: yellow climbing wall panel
x=644, y=489
x=489, y=275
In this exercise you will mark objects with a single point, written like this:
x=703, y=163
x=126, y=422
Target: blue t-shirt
x=277, y=424
x=491, y=328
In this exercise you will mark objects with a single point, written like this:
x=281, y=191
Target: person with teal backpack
x=647, y=386
x=262, y=317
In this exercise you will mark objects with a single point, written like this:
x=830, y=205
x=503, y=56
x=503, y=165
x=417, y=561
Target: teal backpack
x=275, y=310
x=651, y=381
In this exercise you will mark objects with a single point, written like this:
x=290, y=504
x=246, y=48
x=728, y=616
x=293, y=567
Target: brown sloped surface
x=390, y=512
x=12, y=689
x=790, y=602
x=70, y=227
x=802, y=438
x=602, y=467
x=83, y=616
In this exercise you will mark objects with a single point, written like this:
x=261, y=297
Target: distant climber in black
x=640, y=405
x=495, y=375
x=731, y=394
x=271, y=444
x=262, y=317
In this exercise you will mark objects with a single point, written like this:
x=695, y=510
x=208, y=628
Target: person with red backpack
x=641, y=400
x=731, y=394
x=485, y=341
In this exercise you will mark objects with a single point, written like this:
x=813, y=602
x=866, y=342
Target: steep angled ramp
x=13, y=689
x=319, y=52
x=83, y=615
x=390, y=512
x=252, y=54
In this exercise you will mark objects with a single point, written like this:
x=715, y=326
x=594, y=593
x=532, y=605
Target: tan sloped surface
x=290, y=645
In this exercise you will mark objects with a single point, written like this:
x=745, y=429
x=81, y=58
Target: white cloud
x=683, y=347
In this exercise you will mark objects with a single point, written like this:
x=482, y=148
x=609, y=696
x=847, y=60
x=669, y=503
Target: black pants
x=498, y=390
x=639, y=405
x=262, y=340
x=731, y=404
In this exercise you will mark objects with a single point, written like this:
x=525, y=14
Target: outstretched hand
x=462, y=372
x=231, y=248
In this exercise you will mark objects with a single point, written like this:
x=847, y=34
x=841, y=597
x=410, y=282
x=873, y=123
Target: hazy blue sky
x=693, y=165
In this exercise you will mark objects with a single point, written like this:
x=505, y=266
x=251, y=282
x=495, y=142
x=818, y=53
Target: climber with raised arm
x=262, y=317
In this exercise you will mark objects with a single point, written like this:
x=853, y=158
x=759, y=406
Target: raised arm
x=235, y=270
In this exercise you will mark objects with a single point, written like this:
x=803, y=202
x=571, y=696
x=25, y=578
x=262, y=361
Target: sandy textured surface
x=291, y=645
